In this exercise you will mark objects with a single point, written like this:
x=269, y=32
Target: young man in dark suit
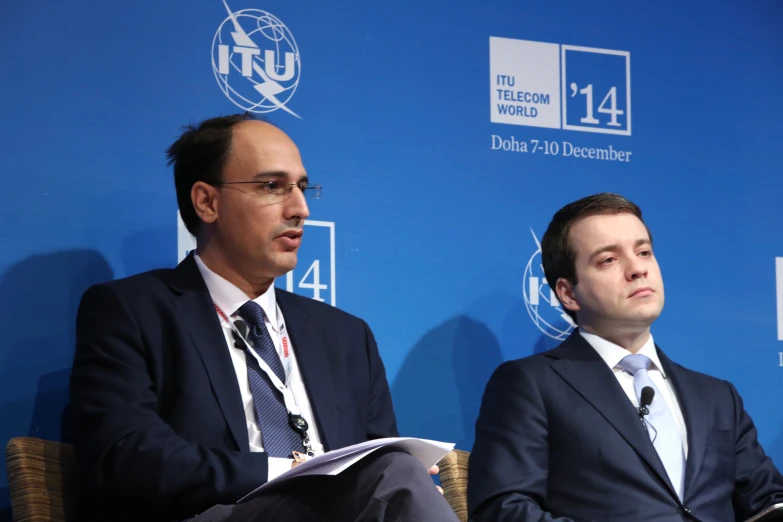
x=562, y=436
x=193, y=386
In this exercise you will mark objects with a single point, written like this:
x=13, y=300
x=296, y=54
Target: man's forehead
x=258, y=146
x=592, y=231
x=261, y=137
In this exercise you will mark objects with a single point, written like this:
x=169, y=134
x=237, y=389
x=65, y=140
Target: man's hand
x=434, y=470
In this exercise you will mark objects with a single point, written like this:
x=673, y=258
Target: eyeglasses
x=277, y=191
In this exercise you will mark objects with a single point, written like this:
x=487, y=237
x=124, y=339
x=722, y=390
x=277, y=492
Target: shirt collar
x=230, y=298
x=612, y=354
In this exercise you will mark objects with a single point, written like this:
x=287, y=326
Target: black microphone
x=647, y=397
x=243, y=329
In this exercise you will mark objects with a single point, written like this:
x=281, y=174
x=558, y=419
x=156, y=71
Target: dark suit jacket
x=558, y=439
x=158, y=423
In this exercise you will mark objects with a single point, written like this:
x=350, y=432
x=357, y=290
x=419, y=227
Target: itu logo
x=541, y=302
x=256, y=61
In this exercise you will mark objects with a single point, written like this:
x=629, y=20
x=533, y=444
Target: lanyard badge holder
x=295, y=420
x=299, y=424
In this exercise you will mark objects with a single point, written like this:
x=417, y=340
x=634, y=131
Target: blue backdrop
x=445, y=136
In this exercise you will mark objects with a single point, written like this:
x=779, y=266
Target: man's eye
x=270, y=186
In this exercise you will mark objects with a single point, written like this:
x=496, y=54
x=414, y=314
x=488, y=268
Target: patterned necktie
x=663, y=431
x=279, y=437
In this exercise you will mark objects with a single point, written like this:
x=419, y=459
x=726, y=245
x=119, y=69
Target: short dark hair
x=199, y=154
x=557, y=252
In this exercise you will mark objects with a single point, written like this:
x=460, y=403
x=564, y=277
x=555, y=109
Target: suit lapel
x=693, y=412
x=196, y=311
x=313, y=361
x=581, y=366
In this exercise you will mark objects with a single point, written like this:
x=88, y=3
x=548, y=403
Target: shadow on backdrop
x=437, y=392
x=532, y=330
x=149, y=250
x=546, y=343
x=39, y=297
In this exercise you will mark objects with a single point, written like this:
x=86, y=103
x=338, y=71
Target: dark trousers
x=385, y=486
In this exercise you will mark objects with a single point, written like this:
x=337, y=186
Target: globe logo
x=256, y=61
x=542, y=304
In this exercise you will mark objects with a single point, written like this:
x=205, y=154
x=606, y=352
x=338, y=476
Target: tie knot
x=635, y=362
x=252, y=313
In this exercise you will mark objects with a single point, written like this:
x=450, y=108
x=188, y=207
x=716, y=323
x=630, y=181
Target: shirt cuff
x=277, y=466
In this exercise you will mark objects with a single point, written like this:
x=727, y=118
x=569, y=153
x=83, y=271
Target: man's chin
x=651, y=305
x=646, y=317
x=285, y=262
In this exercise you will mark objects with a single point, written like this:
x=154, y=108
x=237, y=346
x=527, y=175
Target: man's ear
x=565, y=293
x=205, y=200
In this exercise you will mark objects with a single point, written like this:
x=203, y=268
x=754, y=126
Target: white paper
x=428, y=452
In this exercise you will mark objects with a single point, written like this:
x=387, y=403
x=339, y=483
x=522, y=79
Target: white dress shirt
x=612, y=354
x=230, y=298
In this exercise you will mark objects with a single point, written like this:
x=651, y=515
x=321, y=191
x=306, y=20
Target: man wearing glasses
x=191, y=387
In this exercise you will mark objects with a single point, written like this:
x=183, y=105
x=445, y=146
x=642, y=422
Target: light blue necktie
x=661, y=426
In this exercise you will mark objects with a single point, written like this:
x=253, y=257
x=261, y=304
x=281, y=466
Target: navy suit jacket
x=558, y=439
x=158, y=424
